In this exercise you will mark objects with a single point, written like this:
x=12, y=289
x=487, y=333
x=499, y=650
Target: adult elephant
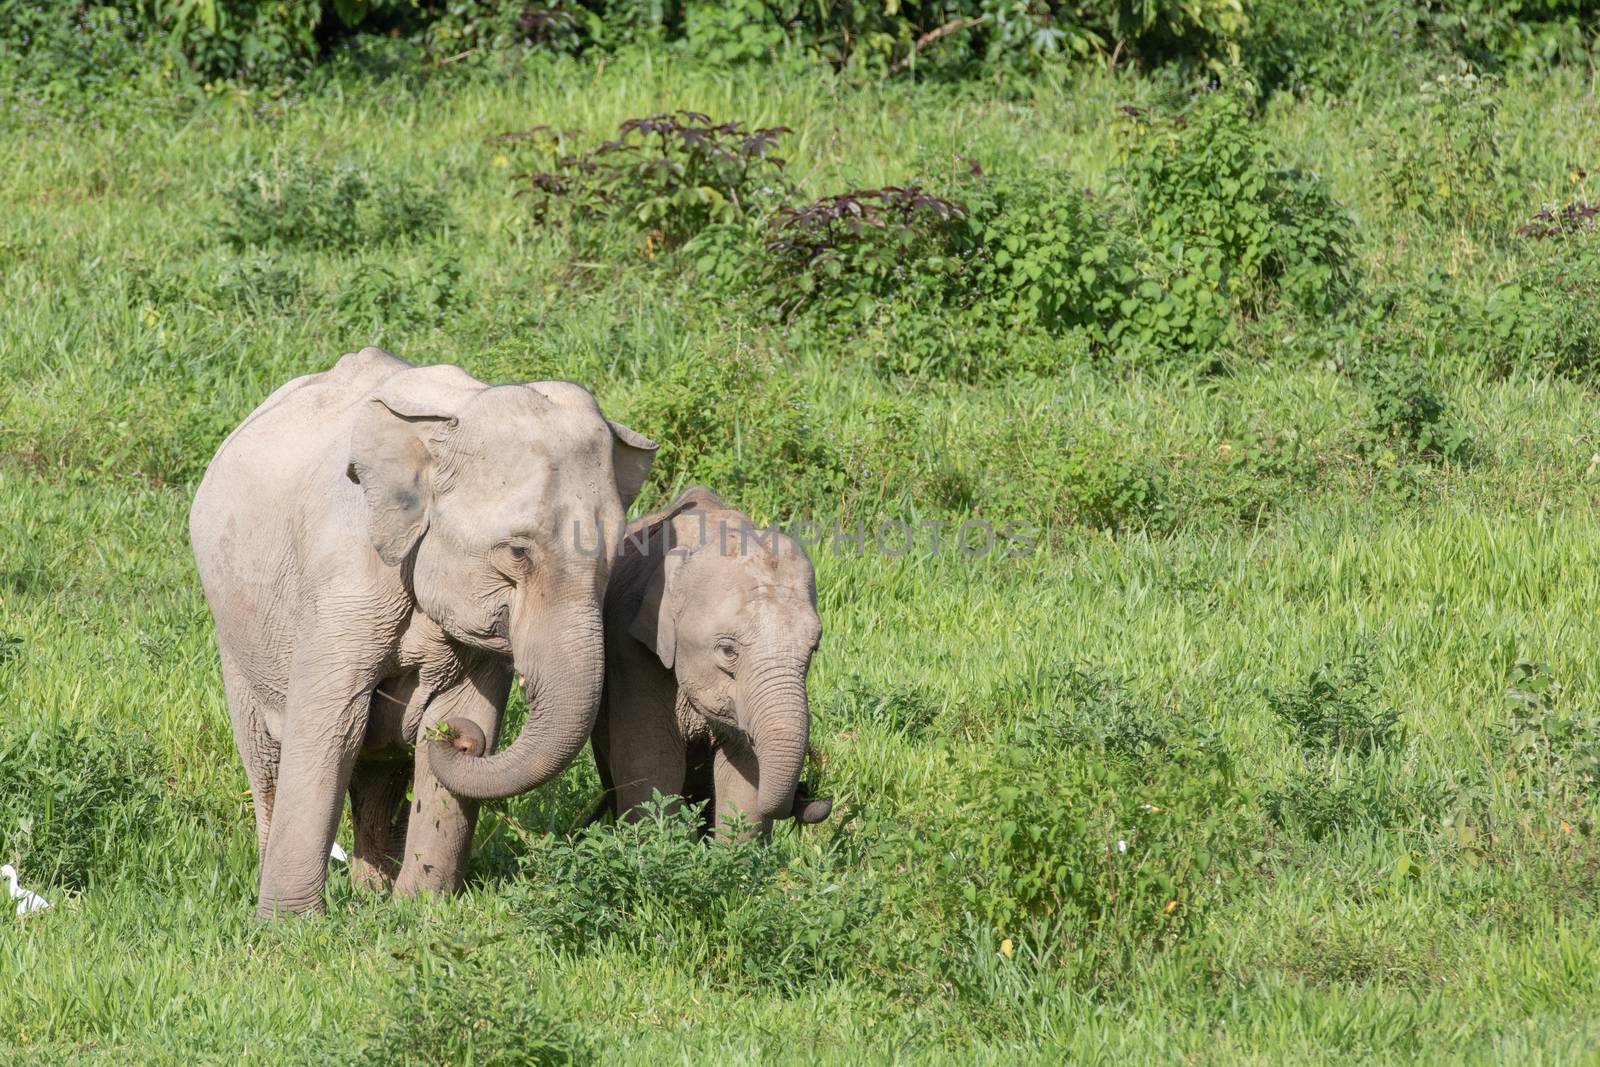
x=380, y=545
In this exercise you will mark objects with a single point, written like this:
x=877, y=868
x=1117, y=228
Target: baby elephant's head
x=732, y=611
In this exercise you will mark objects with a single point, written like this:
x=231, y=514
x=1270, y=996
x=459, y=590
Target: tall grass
x=1444, y=911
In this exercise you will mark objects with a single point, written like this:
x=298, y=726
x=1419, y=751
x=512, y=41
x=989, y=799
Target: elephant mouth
x=714, y=716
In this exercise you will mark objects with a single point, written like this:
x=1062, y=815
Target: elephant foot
x=371, y=877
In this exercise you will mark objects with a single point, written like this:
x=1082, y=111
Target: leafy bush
x=640, y=880
x=1338, y=708
x=68, y=794
x=904, y=709
x=1232, y=222
x=256, y=39
x=1042, y=256
x=672, y=175
x=1054, y=474
x=1406, y=413
x=1252, y=474
x=1351, y=772
x=466, y=1003
x=953, y=36
x=971, y=343
x=1082, y=856
x=1090, y=707
x=737, y=421
x=1439, y=156
x=1516, y=31
x=1341, y=794
x=1546, y=735
x=424, y=294
x=1332, y=46
x=842, y=254
x=297, y=201
x=1546, y=316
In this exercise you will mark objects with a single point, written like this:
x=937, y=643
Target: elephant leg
x=378, y=814
x=325, y=720
x=439, y=829
x=257, y=749
x=646, y=758
x=699, y=783
x=737, y=786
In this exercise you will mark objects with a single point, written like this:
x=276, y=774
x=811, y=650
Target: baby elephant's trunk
x=779, y=721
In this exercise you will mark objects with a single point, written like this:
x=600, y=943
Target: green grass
x=1453, y=919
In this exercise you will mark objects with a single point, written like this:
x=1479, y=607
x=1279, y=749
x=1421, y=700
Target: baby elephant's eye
x=519, y=553
x=725, y=649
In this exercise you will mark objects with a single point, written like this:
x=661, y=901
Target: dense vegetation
x=1272, y=735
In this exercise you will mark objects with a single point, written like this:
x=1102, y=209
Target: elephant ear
x=678, y=534
x=631, y=456
x=393, y=448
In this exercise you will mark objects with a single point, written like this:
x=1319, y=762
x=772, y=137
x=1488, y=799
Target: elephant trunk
x=563, y=667
x=779, y=722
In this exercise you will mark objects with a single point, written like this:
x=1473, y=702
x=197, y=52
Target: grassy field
x=1334, y=692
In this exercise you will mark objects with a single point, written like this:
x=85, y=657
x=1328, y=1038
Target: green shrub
x=460, y=1002
x=840, y=256
x=256, y=39
x=1406, y=413
x=424, y=292
x=1351, y=772
x=1339, y=709
x=740, y=422
x=971, y=343
x=1331, y=47
x=639, y=880
x=903, y=709
x=1546, y=316
x=1084, y=705
x=1439, y=156
x=1513, y=31
x=1339, y=794
x=1230, y=222
x=297, y=201
x=69, y=795
x=1042, y=256
x=1081, y=856
x=1052, y=474
x=669, y=175
x=1251, y=475
x=1546, y=735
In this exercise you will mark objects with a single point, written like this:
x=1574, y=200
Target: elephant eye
x=726, y=650
x=519, y=553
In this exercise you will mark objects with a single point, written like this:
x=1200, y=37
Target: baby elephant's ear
x=656, y=624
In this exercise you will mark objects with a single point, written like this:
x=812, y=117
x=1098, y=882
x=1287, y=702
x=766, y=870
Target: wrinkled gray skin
x=709, y=635
x=381, y=545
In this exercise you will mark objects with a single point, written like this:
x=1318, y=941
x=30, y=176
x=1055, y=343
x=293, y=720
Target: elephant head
x=504, y=506
x=731, y=611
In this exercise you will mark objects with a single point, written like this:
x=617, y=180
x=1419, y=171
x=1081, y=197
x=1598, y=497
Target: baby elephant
x=710, y=624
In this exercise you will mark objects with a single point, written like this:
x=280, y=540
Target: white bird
x=27, y=900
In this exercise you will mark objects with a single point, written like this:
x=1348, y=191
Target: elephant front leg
x=378, y=814
x=440, y=824
x=646, y=757
x=322, y=737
